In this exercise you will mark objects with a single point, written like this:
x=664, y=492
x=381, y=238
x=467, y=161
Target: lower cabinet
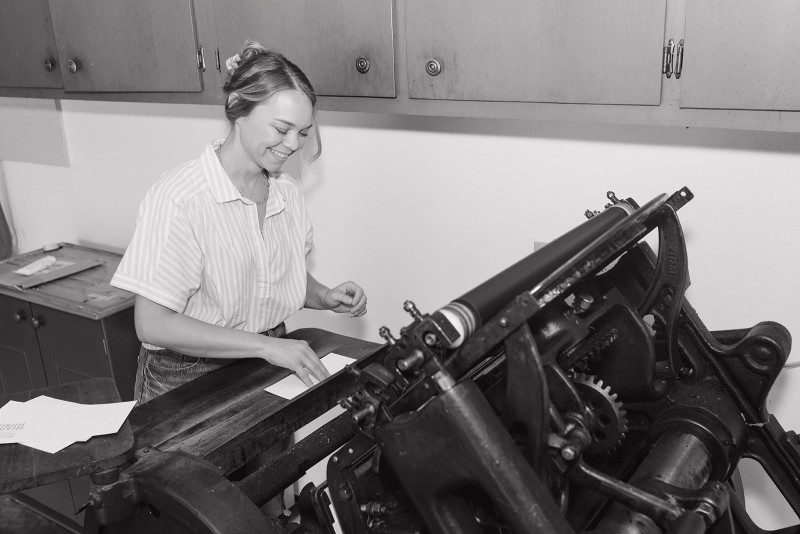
x=41, y=346
x=68, y=329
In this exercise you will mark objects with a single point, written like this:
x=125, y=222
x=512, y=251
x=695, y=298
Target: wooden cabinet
x=741, y=54
x=69, y=329
x=29, y=55
x=346, y=48
x=21, y=367
x=555, y=60
x=596, y=52
x=124, y=46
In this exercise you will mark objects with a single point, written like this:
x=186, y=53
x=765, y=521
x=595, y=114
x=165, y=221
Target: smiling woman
x=218, y=258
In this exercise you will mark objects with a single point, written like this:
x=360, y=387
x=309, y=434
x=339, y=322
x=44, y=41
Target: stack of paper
x=50, y=424
x=292, y=386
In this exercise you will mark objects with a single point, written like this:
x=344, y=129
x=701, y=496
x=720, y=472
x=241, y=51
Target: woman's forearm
x=315, y=293
x=162, y=327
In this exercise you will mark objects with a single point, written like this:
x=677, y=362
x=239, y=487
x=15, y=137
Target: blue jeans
x=162, y=370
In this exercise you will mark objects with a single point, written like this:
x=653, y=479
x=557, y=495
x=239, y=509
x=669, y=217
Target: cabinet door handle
x=49, y=64
x=666, y=62
x=362, y=64
x=433, y=67
x=19, y=316
x=37, y=322
x=679, y=60
x=73, y=65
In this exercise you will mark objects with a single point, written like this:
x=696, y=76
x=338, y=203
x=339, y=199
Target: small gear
x=611, y=423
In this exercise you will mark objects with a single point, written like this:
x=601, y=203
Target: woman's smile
x=280, y=155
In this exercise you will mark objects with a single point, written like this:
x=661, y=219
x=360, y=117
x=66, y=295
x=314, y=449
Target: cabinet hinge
x=673, y=60
x=201, y=59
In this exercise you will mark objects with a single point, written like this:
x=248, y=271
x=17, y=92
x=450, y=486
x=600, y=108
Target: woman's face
x=276, y=128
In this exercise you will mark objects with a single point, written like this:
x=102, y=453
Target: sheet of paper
x=50, y=424
x=292, y=386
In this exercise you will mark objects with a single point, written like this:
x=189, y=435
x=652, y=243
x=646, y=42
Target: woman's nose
x=292, y=141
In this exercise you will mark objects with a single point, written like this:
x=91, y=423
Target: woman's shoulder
x=181, y=182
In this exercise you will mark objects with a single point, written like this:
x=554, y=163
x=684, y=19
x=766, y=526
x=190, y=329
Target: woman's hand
x=296, y=355
x=346, y=298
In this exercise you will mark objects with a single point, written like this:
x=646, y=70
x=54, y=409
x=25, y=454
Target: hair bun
x=251, y=48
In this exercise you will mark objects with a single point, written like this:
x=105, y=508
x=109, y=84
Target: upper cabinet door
x=741, y=54
x=29, y=56
x=344, y=47
x=126, y=45
x=567, y=51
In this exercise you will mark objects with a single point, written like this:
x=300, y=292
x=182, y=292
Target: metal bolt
x=569, y=453
x=386, y=335
x=503, y=322
x=411, y=308
x=334, y=459
x=583, y=302
x=430, y=339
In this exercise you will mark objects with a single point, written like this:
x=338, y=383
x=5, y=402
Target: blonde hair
x=260, y=74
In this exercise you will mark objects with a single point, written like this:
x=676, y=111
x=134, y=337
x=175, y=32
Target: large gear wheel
x=611, y=421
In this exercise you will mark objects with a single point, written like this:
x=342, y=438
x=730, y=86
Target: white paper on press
x=292, y=386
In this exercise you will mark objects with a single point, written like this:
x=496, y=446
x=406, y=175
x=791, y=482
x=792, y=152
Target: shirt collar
x=221, y=186
x=223, y=190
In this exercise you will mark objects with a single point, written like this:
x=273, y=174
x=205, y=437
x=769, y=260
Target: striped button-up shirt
x=198, y=249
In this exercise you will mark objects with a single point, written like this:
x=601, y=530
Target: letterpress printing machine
x=576, y=391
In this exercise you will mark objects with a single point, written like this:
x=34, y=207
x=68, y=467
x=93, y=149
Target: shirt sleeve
x=163, y=262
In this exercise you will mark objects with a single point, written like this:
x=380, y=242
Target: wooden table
x=22, y=467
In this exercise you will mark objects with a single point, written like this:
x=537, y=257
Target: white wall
x=426, y=208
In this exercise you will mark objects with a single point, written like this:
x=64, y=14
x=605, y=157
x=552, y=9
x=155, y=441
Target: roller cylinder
x=487, y=299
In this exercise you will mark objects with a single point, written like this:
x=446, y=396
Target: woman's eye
x=282, y=132
x=303, y=134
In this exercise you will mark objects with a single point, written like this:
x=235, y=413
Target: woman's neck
x=241, y=170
